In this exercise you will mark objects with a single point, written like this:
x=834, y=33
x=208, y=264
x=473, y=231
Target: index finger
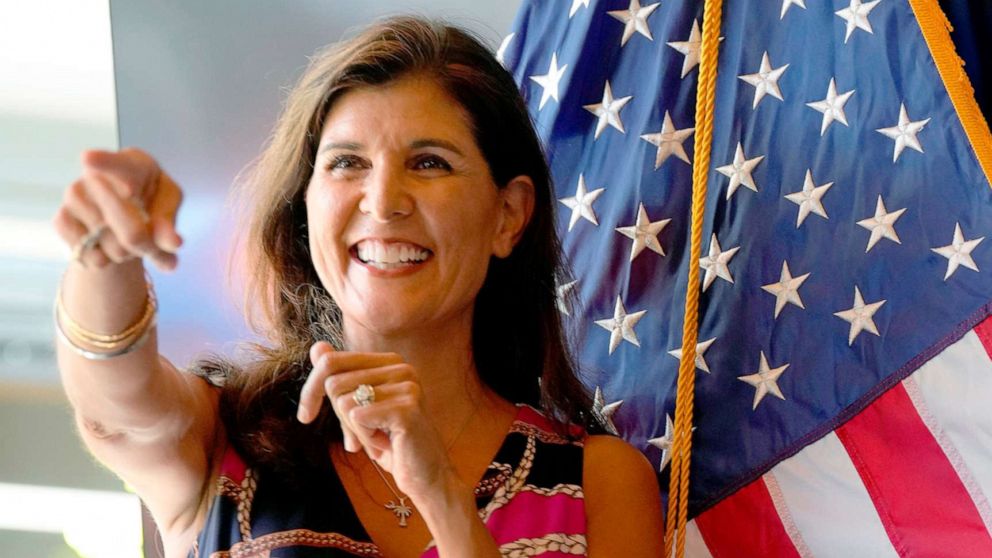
x=123, y=217
x=328, y=362
x=128, y=169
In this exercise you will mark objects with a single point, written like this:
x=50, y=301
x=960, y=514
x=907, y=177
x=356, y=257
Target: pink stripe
x=432, y=553
x=233, y=467
x=530, y=515
x=984, y=332
x=920, y=499
x=746, y=525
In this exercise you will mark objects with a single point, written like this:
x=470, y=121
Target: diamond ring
x=364, y=395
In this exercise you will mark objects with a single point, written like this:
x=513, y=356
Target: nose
x=385, y=196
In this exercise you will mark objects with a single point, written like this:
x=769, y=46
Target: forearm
x=454, y=522
x=126, y=390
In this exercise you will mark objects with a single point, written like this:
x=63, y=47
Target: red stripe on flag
x=920, y=499
x=984, y=332
x=746, y=525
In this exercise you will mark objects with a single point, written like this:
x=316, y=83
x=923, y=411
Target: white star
x=787, y=289
x=958, y=252
x=644, y=233
x=765, y=381
x=786, y=4
x=856, y=16
x=581, y=204
x=904, y=133
x=564, y=298
x=716, y=262
x=832, y=107
x=635, y=18
x=501, y=52
x=669, y=141
x=740, y=171
x=860, y=316
x=549, y=81
x=809, y=199
x=765, y=82
x=576, y=4
x=621, y=326
x=882, y=224
x=608, y=111
x=605, y=411
x=700, y=361
x=664, y=443
x=689, y=48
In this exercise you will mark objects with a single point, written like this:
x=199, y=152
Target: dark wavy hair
x=517, y=338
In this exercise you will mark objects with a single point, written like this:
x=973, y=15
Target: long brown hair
x=517, y=338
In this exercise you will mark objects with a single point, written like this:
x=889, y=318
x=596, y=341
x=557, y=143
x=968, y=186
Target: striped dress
x=530, y=499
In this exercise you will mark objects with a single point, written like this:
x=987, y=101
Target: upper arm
x=623, y=502
x=169, y=462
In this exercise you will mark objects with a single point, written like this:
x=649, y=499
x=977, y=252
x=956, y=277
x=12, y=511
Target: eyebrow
x=415, y=144
x=346, y=145
x=435, y=142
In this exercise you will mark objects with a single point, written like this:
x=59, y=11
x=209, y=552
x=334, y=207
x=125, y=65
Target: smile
x=385, y=255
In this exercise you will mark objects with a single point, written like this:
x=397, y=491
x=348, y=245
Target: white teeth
x=389, y=255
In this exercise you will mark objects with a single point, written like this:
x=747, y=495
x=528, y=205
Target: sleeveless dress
x=530, y=499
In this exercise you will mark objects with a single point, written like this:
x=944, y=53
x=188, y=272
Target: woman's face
x=402, y=212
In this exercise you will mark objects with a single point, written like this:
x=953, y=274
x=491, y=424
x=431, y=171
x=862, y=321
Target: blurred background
x=198, y=85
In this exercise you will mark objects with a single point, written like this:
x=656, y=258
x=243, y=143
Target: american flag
x=844, y=388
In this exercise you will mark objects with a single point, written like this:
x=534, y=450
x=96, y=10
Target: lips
x=385, y=254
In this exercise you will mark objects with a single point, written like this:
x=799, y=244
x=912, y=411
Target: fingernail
x=171, y=246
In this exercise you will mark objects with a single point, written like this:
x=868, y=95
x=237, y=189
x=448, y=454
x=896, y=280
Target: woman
x=404, y=258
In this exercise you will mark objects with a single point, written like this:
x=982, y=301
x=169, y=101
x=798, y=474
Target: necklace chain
x=399, y=507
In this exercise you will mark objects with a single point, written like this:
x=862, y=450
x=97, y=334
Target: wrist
x=453, y=519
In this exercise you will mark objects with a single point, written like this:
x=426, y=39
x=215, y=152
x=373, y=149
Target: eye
x=430, y=161
x=345, y=163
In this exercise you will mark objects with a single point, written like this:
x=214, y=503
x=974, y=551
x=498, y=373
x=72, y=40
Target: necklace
x=399, y=507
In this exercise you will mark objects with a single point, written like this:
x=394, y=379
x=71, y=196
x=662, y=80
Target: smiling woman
x=416, y=396
x=400, y=177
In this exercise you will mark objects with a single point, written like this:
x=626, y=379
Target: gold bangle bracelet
x=135, y=328
x=75, y=331
x=97, y=346
x=94, y=355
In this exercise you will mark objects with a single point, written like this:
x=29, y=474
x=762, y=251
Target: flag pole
x=678, y=490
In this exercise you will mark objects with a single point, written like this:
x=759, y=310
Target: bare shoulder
x=623, y=502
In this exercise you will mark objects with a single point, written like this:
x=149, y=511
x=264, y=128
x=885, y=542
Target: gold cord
x=678, y=490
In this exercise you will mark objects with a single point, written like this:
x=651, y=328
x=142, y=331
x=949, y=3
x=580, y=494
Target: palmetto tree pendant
x=401, y=510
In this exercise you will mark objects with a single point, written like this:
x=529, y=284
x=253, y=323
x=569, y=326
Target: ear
x=516, y=207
